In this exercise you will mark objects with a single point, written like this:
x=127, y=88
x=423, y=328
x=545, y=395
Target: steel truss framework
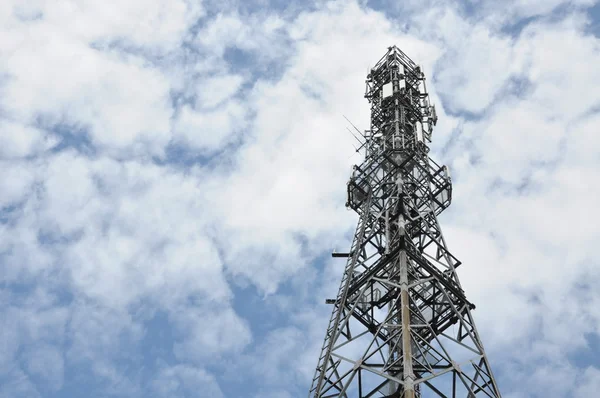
x=401, y=325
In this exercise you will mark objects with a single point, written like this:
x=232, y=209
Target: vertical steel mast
x=401, y=325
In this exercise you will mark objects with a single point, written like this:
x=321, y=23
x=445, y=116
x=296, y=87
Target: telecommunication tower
x=401, y=325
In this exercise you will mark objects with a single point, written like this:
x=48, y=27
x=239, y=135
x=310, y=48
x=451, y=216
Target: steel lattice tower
x=401, y=325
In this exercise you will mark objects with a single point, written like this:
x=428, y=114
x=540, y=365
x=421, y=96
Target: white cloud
x=516, y=10
x=96, y=332
x=120, y=104
x=590, y=383
x=280, y=367
x=561, y=86
x=118, y=236
x=157, y=25
x=209, y=332
x=33, y=328
x=185, y=381
x=126, y=221
x=261, y=33
x=210, y=130
x=18, y=386
x=67, y=72
x=15, y=182
x=223, y=31
x=10, y=339
x=46, y=362
x=17, y=140
x=476, y=61
x=215, y=90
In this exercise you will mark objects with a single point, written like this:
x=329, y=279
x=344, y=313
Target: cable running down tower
x=401, y=325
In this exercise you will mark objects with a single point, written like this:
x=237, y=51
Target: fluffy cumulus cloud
x=172, y=176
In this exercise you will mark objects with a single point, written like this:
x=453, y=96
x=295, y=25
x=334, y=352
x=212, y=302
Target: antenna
x=362, y=143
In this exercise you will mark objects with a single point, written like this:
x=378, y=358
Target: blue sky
x=172, y=181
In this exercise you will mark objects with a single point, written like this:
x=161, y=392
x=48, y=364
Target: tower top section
x=401, y=112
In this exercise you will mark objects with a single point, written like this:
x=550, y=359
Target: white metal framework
x=401, y=325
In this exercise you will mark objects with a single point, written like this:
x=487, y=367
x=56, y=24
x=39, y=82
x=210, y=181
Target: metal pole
x=409, y=377
x=407, y=365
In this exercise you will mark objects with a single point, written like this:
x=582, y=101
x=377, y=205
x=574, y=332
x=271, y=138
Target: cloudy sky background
x=172, y=181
